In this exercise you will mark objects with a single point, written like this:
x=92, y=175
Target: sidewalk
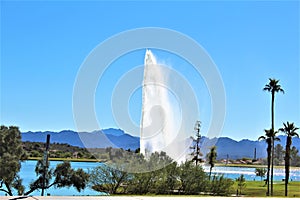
x=130, y=198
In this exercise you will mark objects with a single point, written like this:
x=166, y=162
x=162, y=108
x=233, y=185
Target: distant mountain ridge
x=117, y=138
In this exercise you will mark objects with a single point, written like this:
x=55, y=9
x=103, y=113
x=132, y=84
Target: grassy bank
x=68, y=159
x=257, y=189
x=252, y=189
x=252, y=166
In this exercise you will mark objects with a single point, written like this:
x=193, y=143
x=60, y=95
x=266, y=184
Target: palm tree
x=290, y=131
x=268, y=138
x=272, y=87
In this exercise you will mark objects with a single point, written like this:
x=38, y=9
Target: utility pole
x=227, y=158
x=254, y=158
x=45, y=163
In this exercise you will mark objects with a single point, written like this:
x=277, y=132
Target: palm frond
x=289, y=129
x=273, y=86
x=262, y=138
x=277, y=139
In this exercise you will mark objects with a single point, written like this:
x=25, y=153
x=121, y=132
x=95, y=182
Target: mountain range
x=117, y=138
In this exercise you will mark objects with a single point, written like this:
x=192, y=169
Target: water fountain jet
x=158, y=117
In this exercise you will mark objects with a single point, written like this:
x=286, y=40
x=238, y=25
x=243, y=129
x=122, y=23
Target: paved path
x=131, y=198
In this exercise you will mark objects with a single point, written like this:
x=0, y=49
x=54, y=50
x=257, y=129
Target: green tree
x=241, y=183
x=193, y=179
x=295, y=158
x=260, y=172
x=40, y=168
x=290, y=130
x=11, y=155
x=221, y=186
x=273, y=87
x=166, y=180
x=109, y=151
x=80, y=154
x=35, y=153
x=63, y=174
x=278, y=154
x=212, y=158
x=141, y=183
x=196, y=153
x=156, y=175
x=108, y=178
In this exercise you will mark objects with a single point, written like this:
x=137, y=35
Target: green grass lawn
x=257, y=189
x=252, y=166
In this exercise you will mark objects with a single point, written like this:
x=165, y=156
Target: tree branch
x=38, y=187
x=54, y=183
x=3, y=190
x=9, y=192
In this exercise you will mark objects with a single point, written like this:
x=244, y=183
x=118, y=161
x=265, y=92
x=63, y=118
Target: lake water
x=28, y=175
x=249, y=173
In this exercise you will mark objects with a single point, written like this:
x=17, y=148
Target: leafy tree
x=166, y=180
x=221, y=186
x=241, y=183
x=119, y=153
x=212, y=157
x=295, y=158
x=108, y=150
x=108, y=179
x=196, y=144
x=156, y=173
x=142, y=183
x=278, y=154
x=35, y=153
x=273, y=87
x=192, y=178
x=290, y=130
x=138, y=150
x=11, y=154
x=80, y=154
x=63, y=174
x=40, y=168
x=260, y=172
x=158, y=161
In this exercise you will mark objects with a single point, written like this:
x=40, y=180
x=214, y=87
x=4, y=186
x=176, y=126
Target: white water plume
x=161, y=119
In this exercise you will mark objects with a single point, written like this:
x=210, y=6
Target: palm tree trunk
x=268, y=170
x=272, y=110
x=287, y=164
x=286, y=178
x=273, y=131
x=210, y=172
x=272, y=166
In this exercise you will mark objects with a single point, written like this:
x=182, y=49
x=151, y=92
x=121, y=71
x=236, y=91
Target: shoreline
x=103, y=161
x=253, y=166
x=69, y=159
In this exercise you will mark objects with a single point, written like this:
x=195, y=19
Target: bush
x=35, y=153
x=192, y=178
x=186, y=178
x=221, y=186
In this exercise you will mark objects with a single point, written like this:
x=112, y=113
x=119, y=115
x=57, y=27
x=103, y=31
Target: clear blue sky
x=43, y=45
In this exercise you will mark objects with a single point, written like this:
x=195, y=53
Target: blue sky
x=43, y=45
